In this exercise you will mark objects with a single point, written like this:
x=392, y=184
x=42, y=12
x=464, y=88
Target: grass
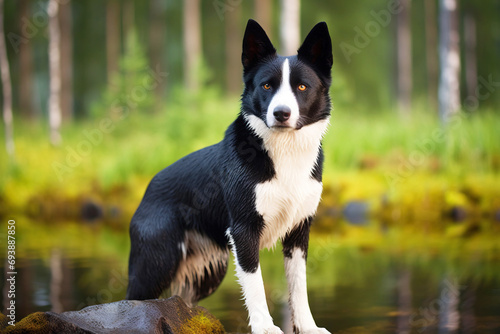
x=368, y=155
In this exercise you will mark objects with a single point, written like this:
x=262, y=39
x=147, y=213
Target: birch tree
x=449, y=60
x=6, y=88
x=290, y=26
x=404, y=58
x=55, y=73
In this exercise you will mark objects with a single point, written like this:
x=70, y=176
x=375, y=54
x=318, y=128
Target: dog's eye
x=302, y=87
x=266, y=86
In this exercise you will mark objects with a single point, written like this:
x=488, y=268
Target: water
x=352, y=289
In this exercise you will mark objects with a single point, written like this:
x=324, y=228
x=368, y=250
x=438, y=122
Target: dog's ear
x=317, y=49
x=256, y=45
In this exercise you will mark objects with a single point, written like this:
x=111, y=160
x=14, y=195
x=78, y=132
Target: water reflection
x=352, y=289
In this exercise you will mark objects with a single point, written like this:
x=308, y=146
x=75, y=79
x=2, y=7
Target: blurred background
x=98, y=96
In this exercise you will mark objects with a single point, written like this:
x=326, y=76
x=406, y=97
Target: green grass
x=367, y=154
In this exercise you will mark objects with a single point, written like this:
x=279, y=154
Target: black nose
x=282, y=113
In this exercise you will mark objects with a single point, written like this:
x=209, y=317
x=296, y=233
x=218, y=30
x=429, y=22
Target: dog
x=260, y=184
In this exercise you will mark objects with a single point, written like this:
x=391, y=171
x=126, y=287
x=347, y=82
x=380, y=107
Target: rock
x=457, y=213
x=91, y=211
x=356, y=212
x=496, y=215
x=127, y=316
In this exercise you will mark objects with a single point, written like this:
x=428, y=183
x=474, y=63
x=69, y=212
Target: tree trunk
x=192, y=44
x=157, y=30
x=65, y=25
x=404, y=58
x=128, y=17
x=112, y=37
x=470, y=54
x=54, y=72
x=263, y=10
x=25, y=88
x=233, y=51
x=431, y=53
x=290, y=26
x=449, y=60
x=6, y=88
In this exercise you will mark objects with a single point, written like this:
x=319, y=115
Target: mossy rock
x=170, y=316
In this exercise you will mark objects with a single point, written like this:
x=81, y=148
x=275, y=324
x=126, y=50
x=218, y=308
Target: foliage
x=368, y=157
x=129, y=88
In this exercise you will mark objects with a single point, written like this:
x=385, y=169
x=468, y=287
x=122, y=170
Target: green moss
x=33, y=323
x=202, y=323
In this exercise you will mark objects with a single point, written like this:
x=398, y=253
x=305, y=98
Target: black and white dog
x=260, y=184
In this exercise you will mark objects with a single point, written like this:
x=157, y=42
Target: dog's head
x=286, y=93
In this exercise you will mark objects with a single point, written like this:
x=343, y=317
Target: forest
x=98, y=96
x=162, y=70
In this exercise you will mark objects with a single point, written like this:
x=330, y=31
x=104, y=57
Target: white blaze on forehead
x=284, y=97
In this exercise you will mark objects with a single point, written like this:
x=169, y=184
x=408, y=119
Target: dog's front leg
x=295, y=246
x=245, y=247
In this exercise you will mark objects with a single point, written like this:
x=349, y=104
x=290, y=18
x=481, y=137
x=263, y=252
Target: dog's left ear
x=317, y=49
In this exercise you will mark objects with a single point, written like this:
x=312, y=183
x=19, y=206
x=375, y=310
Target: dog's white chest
x=292, y=195
x=284, y=202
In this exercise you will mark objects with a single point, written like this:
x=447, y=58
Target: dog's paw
x=315, y=331
x=268, y=330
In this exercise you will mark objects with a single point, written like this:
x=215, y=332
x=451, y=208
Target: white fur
x=292, y=195
x=295, y=269
x=284, y=97
x=254, y=294
x=203, y=253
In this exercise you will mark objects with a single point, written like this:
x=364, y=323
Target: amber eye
x=302, y=88
x=266, y=86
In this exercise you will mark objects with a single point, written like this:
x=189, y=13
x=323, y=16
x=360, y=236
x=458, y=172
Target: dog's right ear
x=256, y=45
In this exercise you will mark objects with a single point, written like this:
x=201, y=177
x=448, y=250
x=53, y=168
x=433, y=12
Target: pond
x=382, y=284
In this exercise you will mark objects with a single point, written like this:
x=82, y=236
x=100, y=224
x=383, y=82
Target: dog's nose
x=282, y=113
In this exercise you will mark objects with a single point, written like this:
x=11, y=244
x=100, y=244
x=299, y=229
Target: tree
x=26, y=73
x=131, y=87
x=233, y=51
x=290, y=26
x=157, y=28
x=431, y=54
x=6, y=88
x=65, y=25
x=263, y=11
x=404, y=58
x=449, y=60
x=470, y=54
x=112, y=37
x=192, y=44
x=54, y=72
